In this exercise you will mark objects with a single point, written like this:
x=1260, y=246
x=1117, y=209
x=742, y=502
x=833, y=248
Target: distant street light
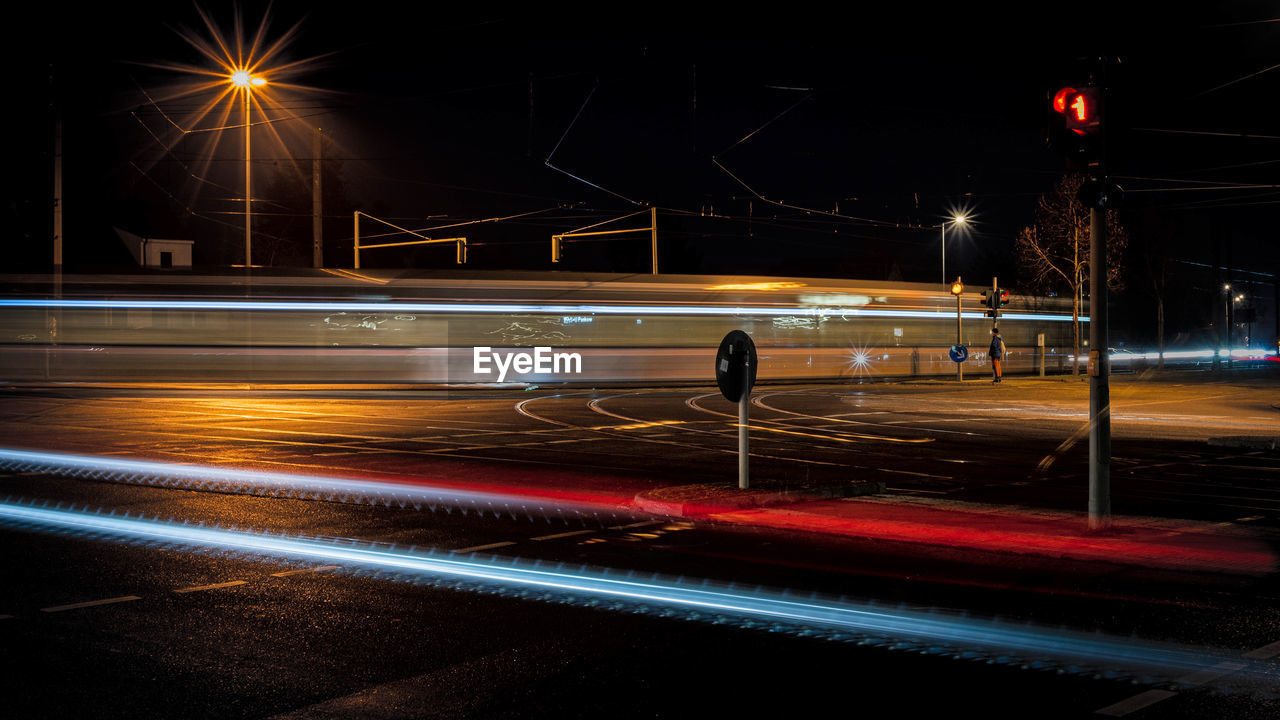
x=957, y=220
x=246, y=82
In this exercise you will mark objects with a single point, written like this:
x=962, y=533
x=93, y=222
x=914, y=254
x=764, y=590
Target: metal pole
x=1099, y=372
x=653, y=236
x=355, y=219
x=248, y=187
x=52, y=320
x=944, y=253
x=317, y=203
x=744, y=440
x=959, y=341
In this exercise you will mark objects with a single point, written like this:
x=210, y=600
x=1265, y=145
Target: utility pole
x=1099, y=369
x=52, y=320
x=317, y=203
x=653, y=236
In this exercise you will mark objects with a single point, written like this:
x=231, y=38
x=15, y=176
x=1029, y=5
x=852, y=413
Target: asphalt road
x=219, y=634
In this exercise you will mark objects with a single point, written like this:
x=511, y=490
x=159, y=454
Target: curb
x=703, y=499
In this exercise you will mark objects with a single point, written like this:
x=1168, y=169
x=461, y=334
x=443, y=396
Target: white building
x=156, y=253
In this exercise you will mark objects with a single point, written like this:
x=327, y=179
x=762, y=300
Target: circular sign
x=736, y=365
x=959, y=353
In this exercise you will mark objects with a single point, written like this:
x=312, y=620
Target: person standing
x=997, y=352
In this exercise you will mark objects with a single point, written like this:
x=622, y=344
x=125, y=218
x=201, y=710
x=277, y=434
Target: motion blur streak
x=691, y=599
x=314, y=486
x=402, y=307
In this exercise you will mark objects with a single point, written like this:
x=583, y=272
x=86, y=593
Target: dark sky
x=890, y=118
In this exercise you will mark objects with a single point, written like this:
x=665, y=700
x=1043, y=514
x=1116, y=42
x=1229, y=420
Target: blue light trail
x=758, y=608
x=340, y=489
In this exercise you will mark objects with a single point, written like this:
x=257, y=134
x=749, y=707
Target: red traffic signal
x=1004, y=298
x=1081, y=108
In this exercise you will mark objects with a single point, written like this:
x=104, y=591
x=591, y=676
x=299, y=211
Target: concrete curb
x=704, y=499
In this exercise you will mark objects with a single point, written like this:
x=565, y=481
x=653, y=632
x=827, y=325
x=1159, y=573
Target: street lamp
x=246, y=82
x=957, y=220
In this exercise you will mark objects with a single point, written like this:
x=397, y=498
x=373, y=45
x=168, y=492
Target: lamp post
x=246, y=82
x=957, y=220
x=1225, y=338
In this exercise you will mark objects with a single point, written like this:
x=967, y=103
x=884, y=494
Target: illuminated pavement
x=105, y=613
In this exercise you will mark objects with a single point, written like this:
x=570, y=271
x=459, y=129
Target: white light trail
x=419, y=307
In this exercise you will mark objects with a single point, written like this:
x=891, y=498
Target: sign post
x=735, y=376
x=957, y=288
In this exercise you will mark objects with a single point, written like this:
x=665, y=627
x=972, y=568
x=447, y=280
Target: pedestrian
x=996, y=352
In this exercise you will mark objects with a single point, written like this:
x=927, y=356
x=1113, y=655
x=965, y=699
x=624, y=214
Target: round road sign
x=736, y=365
x=959, y=353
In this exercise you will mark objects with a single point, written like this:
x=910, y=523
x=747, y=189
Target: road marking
x=478, y=548
x=215, y=586
x=760, y=403
x=563, y=535
x=643, y=523
x=1251, y=518
x=91, y=603
x=1137, y=702
x=1199, y=677
x=917, y=474
x=322, y=568
x=1264, y=652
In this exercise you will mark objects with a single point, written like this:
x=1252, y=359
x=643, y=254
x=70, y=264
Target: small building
x=157, y=253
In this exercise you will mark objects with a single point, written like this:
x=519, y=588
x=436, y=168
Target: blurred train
x=387, y=327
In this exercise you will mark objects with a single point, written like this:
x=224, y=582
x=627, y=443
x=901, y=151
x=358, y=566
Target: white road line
x=91, y=603
x=1137, y=702
x=322, y=568
x=215, y=586
x=1264, y=652
x=1199, y=677
x=478, y=548
x=563, y=535
x=917, y=474
x=644, y=523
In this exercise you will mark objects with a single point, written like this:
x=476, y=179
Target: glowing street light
x=246, y=82
x=956, y=220
x=244, y=68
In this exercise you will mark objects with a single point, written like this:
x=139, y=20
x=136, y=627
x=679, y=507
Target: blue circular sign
x=959, y=353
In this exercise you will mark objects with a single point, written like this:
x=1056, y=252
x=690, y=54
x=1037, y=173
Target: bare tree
x=1054, y=251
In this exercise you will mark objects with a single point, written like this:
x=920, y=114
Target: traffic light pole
x=1099, y=372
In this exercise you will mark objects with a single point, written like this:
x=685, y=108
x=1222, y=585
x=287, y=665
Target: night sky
x=874, y=125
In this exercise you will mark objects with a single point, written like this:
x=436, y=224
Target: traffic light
x=1004, y=298
x=991, y=298
x=1082, y=109
x=1078, y=135
x=957, y=287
